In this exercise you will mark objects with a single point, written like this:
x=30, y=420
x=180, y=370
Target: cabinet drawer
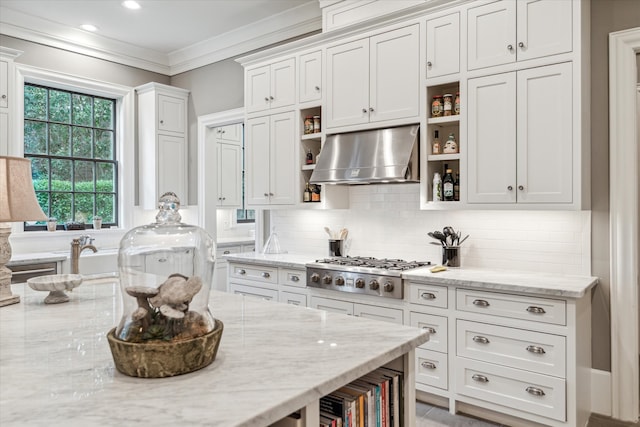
x=255, y=272
x=517, y=348
x=379, y=313
x=295, y=278
x=293, y=298
x=521, y=390
x=437, y=327
x=431, y=368
x=426, y=294
x=332, y=305
x=253, y=291
x=514, y=306
x=227, y=250
x=21, y=273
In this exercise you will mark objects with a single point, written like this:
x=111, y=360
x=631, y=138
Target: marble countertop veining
x=56, y=367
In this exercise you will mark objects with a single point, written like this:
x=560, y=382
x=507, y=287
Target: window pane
x=84, y=207
x=82, y=142
x=43, y=201
x=40, y=174
x=59, y=140
x=82, y=110
x=105, y=178
x=35, y=137
x=59, y=106
x=61, y=207
x=60, y=177
x=83, y=179
x=104, y=145
x=103, y=113
x=35, y=103
x=105, y=207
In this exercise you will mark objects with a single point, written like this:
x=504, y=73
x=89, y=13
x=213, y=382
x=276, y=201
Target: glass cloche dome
x=166, y=271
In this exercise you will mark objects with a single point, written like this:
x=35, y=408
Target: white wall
x=384, y=221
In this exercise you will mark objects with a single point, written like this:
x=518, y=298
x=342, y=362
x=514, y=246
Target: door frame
x=623, y=223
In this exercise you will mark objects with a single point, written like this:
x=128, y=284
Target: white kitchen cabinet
x=310, y=77
x=520, y=137
x=7, y=99
x=253, y=291
x=373, y=79
x=229, y=175
x=162, y=141
x=443, y=45
x=229, y=134
x=271, y=160
x=4, y=84
x=507, y=31
x=293, y=298
x=270, y=86
x=356, y=309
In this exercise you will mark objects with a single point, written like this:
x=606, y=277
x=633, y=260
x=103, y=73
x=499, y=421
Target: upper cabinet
x=443, y=45
x=373, y=79
x=310, y=77
x=270, y=86
x=508, y=31
x=162, y=142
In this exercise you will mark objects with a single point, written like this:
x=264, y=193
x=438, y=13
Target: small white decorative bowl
x=55, y=284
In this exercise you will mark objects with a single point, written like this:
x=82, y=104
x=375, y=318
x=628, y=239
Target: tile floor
x=433, y=416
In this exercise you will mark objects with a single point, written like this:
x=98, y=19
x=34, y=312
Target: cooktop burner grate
x=384, y=263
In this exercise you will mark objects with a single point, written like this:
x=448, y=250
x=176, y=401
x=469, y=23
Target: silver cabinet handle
x=295, y=279
x=428, y=365
x=521, y=44
x=271, y=98
x=265, y=275
x=364, y=110
x=429, y=329
x=535, y=310
x=266, y=99
x=241, y=271
x=371, y=109
x=480, y=378
x=427, y=295
x=509, y=47
x=4, y=96
x=429, y=64
x=266, y=194
x=535, y=391
x=535, y=349
x=520, y=187
x=480, y=303
x=318, y=88
x=271, y=194
x=510, y=188
x=226, y=252
x=161, y=122
x=480, y=339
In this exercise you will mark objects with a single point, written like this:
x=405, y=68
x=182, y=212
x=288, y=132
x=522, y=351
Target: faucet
x=77, y=246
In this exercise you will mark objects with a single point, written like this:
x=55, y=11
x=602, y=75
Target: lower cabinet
x=254, y=291
x=356, y=309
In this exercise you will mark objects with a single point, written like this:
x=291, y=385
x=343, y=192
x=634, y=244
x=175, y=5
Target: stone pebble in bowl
x=56, y=284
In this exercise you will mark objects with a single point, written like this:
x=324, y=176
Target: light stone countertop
x=37, y=257
x=56, y=367
x=225, y=242
x=533, y=283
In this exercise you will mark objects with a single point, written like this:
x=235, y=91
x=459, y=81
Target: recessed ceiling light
x=89, y=27
x=130, y=4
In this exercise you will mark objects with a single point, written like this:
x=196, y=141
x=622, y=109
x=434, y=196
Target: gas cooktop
x=370, y=262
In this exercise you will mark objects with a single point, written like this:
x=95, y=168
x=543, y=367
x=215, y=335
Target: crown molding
x=277, y=28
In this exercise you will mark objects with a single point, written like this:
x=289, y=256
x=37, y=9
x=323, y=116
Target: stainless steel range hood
x=368, y=157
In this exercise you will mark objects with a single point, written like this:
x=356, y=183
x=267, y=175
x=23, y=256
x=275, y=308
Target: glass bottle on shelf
x=315, y=193
x=307, y=194
x=437, y=187
x=451, y=146
x=309, y=158
x=435, y=147
x=447, y=186
x=456, y=187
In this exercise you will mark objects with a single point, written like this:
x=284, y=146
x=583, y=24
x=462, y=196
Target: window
x=70, y=138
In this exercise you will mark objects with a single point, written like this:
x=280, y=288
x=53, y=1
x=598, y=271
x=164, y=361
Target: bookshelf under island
x=273, y=360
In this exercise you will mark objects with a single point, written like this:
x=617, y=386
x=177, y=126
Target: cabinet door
x=283, y=83
x=172, y=166
x=379, y=313
x=348, y=84
x=310, y=77
x=171, y=114
x=443, y=45
x=394, y=74
x=229, y=175
x=491, y=137
x=535, y=19
x=257, y=160
x=257, y=88
x=230, y=134
x=4, y=84
x=491, y=34
x=545, y=137
x=282, y=159
x=335, y=306
x=4, y=133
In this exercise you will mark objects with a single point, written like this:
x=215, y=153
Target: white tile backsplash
x=384, y=221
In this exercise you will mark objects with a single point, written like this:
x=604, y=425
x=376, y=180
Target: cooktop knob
x=374, y=285
x=388, y=287
x=339, y=281
x=315, y=277
x=360, y=283
x=326, y=279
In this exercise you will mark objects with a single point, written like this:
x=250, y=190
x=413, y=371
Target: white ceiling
x=166, y=36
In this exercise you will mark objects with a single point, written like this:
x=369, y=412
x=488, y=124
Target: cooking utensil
x=328, y=230
x=460, y=241
x=438, y=237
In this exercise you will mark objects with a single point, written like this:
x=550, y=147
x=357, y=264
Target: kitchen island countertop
x=56, y=367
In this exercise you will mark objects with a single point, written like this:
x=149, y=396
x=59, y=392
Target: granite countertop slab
x=522, y=282
x=277, y=260
x=37, y=257
x=56, y=367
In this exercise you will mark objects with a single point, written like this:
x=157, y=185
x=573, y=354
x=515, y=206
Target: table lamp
x=17, y=203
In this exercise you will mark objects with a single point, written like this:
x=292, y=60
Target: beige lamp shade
x=17, y=197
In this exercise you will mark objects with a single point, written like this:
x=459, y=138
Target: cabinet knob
x=318, y=88
x=429, y=64
x=521, y=45
x=535, y=391
x=271, y=194
x=242, y=271
x=265, y=275
x=224, y=198
x=266, y=98
x=509, y=47
x=428, y=365
x=226, y=252
x=295, y=279
x=480, y=339
x=535, y=349
x=271, y=98
x=510, y=188
x=161, y=122
x=520, y=187
x=266, y=194
x=371, y=109
x=481, y=303
x=364, y=110
x=4, y=96
x=480, y=378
